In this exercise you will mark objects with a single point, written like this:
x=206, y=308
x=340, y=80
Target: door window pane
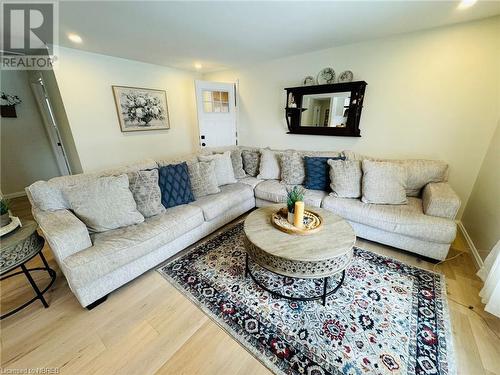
x=207, y=96
x=207, y=107
x=215, y=101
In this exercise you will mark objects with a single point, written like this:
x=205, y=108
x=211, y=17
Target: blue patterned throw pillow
x=175, y=185
x=318, y=172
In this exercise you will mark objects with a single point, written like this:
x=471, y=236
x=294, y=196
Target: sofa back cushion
x=175, y=185
x=318, y=172
x=103, y=204
x=383, y=182
x=223, y=167
x=345, y=178
x=203, y=179
x=419, y=172
x=48, y=195
x=146, y=191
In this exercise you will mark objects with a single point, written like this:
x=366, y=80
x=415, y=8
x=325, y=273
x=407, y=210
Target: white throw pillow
x=104, y=204
x=345, y=178
x=269, y=167
x=223, y=167
x=203, y=179
x=383, y=182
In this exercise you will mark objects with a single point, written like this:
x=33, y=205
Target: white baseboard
x=470, y=243
x=15, y=195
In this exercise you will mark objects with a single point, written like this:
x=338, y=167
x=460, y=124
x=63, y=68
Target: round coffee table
x=319, y=255
x=16, y=249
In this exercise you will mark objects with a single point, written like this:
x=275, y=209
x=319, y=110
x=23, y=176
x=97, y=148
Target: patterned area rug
x=387, y=318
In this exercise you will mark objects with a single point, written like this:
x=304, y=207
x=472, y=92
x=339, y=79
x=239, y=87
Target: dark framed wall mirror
x=333, y=109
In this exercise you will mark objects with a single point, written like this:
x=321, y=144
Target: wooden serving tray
x=312, y=222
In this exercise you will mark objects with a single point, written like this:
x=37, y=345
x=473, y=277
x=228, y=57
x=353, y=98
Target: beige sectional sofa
x=96, y=264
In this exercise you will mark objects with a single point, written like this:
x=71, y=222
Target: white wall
x=481, y=217
x=26, y=154
x=431, y=94
x=85, y=81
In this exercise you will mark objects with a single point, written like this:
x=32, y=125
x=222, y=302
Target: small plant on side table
x=4, y=212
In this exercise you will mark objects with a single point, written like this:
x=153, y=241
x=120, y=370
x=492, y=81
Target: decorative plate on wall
x=346, y=76
x=309, y=81
x=326, y=76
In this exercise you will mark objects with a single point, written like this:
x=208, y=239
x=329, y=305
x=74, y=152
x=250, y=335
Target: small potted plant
x=4, y=213
x=293, y=194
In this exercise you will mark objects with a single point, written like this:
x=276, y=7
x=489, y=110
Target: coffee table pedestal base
x=322, y=296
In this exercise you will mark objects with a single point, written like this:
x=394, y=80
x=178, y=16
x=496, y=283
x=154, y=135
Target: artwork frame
x=141, y=109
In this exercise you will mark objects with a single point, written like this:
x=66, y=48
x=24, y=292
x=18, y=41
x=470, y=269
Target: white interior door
x=216, y=107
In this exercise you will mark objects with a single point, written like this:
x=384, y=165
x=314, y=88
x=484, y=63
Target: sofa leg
x=97, y=303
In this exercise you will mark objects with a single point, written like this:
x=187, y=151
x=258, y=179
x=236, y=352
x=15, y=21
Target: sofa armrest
x=65, y=233
x=439, y=199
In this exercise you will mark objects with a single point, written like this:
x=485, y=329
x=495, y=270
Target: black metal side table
x=16, y=249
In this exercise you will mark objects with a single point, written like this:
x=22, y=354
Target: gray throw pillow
x=203, y=179
x=104, y=204
x=237, y=162
x=269, y=167
x=345, y=178
x=146, y=191
x=223, y=167
x=292, y=168
x=251, y=162
x=383, y=182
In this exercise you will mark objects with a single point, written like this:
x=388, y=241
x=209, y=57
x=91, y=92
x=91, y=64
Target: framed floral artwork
x=141, y=109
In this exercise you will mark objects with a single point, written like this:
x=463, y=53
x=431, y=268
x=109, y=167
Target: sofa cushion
x=223, y=167
x=104, y=204
x=419, y=172
x=250, y=181
x=203, y=179
x=345, y=178
x=48, y=195
x=318, y=172
x=275, y=191
x=383, y=182
x=230, y=195
x=116, y=248
x=408, y=220
x=269, y=167
x=175, y=185
x=146, y=191
x=251, y=160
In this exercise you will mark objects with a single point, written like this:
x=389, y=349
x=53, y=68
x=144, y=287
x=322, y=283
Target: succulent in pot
x=293, y=194
x=4, y=213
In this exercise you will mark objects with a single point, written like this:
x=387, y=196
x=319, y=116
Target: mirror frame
x=293, y=114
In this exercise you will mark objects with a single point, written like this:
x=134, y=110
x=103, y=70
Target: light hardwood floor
x=148, y=327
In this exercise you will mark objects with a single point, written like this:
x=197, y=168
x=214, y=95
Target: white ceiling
x=221, y=35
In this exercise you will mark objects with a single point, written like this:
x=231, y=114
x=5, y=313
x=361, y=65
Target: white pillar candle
x=299, y=215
